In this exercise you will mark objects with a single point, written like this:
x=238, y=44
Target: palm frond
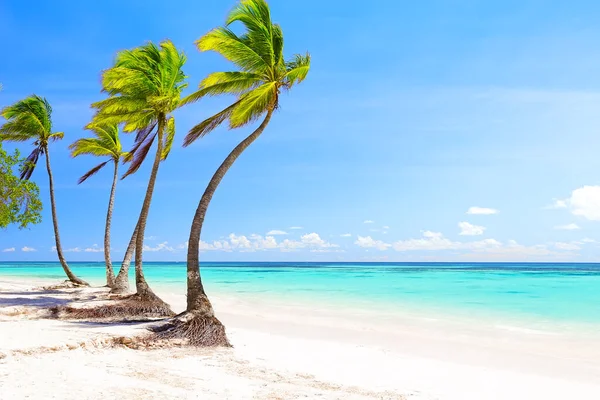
x=256, y=18
x=90, y=146
x=139, y=155
x=16, y=131
x=297, y=69
x=219, y=83
x=56, y=136
x=92, y=172
x=208, y=125
x=144, y=83
x=235, y=49
x=29, y=118
x=253, y=104
x=105, y=142
x=143, y=133
x=169, y=137
x=30, y=163
x=140, y=138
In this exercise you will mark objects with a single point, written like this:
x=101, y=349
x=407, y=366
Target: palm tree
x=263, y=74
x=144, y=87
x=105, y=143
x=31, y=119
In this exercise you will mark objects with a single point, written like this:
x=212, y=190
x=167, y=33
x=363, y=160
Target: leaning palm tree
x=144, y=87
x=105, y=143
x=263, y=74
x=31, y=119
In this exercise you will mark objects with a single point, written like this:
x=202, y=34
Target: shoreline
x=427, y=359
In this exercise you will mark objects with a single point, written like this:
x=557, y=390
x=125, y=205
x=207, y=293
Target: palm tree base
x=130, y=308
x=79, y=282
x=193, y=329
x=67, y=284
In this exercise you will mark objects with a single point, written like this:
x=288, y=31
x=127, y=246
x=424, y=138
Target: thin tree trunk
x=122, y=281
x=197, y=301
x=142, y=288
x=72, y=277
x=110, y=274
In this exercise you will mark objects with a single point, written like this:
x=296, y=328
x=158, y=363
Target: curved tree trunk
x=142, y=288
x=72, y=277
x=122, y=282
x=110, y=274
x=197, y=301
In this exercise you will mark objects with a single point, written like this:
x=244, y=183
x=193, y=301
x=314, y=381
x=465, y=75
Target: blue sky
x=412, y=114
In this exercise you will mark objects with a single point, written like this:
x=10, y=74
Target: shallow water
x=564, y=295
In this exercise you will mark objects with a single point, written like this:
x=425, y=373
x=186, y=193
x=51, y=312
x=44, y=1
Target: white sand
x=289, y=352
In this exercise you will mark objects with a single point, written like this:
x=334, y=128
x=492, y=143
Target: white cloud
x=430, y=234
x=385, y=227
x=28, y=249
x=164, y=246
x=467, y=229
x=239, y=242
x=151, y=238
x=566, y=246
x=482, y=211
x=585, y=202
x=568, y=227
x=314, y=240
x=73, y=250
x=369, y=222
x=513, y=251
x=254, y=242
x=296, y=227
x=276, y=232
x=367, y=242
x=556, y=203
x=93, y=249
x=487, y=249
x=436, y=241
x=9, y=250
x=587, y=240
x=346, y=235
x=290, y=245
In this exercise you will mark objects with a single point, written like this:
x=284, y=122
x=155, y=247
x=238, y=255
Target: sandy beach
x=285, y=352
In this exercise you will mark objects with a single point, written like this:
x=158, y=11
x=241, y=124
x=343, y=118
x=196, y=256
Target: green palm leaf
x=258, y=52
x=144, y=86
x=104, y=143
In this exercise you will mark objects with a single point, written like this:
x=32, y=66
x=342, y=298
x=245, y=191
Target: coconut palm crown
x=263, y=74
x=144, y=87
x=29, y=119
x=105, y=143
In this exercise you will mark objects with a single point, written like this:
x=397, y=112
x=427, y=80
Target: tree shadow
x=31, y=292
x=41, y=302
x=96, y=324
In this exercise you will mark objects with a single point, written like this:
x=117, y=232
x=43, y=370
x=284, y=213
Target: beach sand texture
x=283, y=353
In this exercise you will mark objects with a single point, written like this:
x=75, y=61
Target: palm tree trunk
x=122, y=282
x=197, y=301
x=110, y=274
x=72, y=277
x=142, y=288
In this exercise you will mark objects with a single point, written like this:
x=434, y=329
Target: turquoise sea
x=565, y=294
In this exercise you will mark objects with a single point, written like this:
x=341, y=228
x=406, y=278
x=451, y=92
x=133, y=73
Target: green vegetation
x=19, y=199
x=144, y=87
x=30, y=119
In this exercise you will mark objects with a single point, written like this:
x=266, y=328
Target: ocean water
x=539, y=294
